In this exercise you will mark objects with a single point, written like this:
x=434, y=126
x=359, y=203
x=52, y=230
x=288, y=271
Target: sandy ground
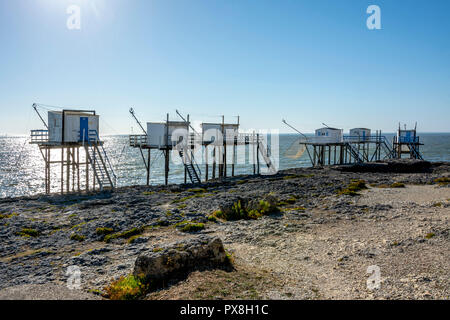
x=330, y=260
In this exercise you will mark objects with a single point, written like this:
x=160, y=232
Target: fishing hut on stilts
x=165, y=137
x=180, y=136
x=67, y=132
x=329, y=146
x=407, y=142
x=219, y=137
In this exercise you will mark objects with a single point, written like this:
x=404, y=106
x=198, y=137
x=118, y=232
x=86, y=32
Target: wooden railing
x=39, y=136
x=138, y=140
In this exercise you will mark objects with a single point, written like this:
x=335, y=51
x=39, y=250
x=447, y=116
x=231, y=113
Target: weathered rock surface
x=176, y=260
x=45, y=292
x=394, y=166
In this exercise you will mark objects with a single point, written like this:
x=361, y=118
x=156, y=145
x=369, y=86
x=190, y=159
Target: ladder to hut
x=191, y=167
x=99, y=162
x=390, y=153
x=414, y=152
x=354, y=152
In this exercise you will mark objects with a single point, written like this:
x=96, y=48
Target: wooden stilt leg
x=78, y=169
x=214, y=163
x=166, y=176
x=148, y=168
x=62, y=170
x=206, y=163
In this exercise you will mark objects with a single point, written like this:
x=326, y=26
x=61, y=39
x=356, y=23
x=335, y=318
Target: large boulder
x=174, y=261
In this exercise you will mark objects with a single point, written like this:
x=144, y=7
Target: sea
x=22, y=165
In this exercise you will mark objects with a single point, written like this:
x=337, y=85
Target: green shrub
x=212, y=218
x=357, y=185
x=264, y=207
x=192, y=227
x=430, y=235
x=197, y=190
x=239, y=212
x=443, y=181
x=393, y=185
x=296, y=176
x=229, y=257
x=7, y=216
x=28, y=232
x=348, y=193
x=125, y=234
x=133, y=238
x=293, y=176
x=397, y=185
x=438, y=204
x=103, y=231
x=77, y=237
x=291, y=200
x=126, y=288
x=353, y=188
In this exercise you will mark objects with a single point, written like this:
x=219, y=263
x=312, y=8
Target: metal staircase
x=354, y=152
x=414, y=152
x=389, y=153
x=192, y=168
x=99, y=161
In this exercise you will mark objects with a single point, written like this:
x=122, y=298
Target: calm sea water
x=22, y=166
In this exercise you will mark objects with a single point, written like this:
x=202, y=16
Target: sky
x=309, y=62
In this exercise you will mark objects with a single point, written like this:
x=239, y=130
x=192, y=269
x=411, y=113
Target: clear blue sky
x=306, y=61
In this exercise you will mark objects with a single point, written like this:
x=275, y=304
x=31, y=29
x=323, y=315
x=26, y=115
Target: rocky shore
x=318, y=235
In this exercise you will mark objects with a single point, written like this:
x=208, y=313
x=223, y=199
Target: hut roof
x=328, y=128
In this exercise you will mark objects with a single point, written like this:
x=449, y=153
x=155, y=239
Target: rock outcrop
x=177, y=260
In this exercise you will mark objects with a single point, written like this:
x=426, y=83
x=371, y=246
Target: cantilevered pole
x=137, y=120
x=307, y=150
x=35, y=109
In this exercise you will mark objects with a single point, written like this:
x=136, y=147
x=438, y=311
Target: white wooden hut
x=360, y=134
x=329, y=135
x=212, y=132
x=157, y=132
x=72, y=126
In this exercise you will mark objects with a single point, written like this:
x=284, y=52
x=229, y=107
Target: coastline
x=317, y=246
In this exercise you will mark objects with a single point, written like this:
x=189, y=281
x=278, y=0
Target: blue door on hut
x=408, y=137
x=84, y=129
